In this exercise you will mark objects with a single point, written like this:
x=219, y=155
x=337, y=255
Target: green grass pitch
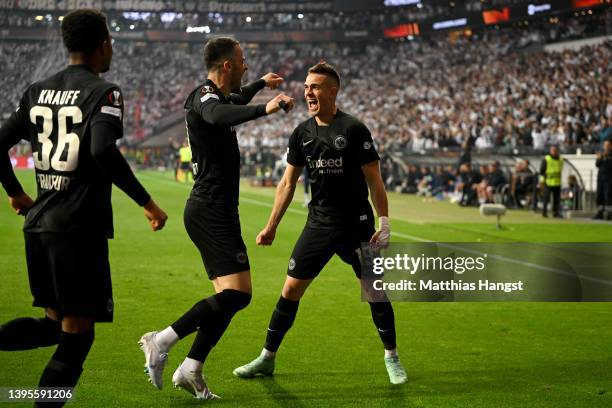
x=457, y=354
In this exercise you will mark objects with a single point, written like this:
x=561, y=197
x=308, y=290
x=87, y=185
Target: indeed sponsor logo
x=325, y=163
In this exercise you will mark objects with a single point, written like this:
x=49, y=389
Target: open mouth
x=312, y=104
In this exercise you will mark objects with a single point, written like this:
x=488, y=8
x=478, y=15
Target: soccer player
x=211, y=214
x=342, y=163
x=72, y=120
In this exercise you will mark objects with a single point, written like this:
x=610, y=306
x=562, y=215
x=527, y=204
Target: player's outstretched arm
x=106, y=155
x=222, y=114
x=282, y=199
x=247, y=92
x=10, y=134
x=378, y=194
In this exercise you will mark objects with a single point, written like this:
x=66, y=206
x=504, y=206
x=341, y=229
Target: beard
x=106, y=67
x=236, y=83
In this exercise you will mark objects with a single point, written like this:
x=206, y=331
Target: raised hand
x=272, y=80
x=280, y=101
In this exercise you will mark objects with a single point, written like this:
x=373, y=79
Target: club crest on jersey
x=340, y=142
x=115, y=98
x=207, y=89
x=367, y=145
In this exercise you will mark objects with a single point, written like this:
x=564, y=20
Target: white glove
x=382, y=236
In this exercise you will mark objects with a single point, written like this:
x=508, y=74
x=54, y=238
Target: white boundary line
x=457, y=247
x=414, y=238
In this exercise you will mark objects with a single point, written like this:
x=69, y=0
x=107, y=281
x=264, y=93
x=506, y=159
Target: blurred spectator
x=571, y=194
x=409, y=184
x=491, y=183
x=466, y=153
x=466, y=184
x=606, y=129
x=424, y=186
x=539, y=137
x=523, y=184
x=603, y=163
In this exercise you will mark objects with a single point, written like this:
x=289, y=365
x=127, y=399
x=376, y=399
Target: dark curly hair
x=84, y=30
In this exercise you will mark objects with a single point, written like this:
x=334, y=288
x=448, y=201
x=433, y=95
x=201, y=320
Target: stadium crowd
x=397, y=12
x=223, y=22
x=414, y=95
x=471, y=184
x=422, y=95
x=218, y=22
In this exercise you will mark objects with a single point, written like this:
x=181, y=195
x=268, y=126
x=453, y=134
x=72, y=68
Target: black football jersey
x=55, y=115
x=333, y=156
x=210, y=119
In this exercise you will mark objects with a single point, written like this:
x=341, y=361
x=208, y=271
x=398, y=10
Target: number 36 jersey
x=56, y=115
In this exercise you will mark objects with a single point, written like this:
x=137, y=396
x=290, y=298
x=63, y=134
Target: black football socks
x=280, y=323
x=66, y=364
x=210, y=317
x=384, y=319
x=27, y=333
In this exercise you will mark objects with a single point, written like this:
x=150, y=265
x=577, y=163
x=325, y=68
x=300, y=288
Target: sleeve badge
x=115, y=98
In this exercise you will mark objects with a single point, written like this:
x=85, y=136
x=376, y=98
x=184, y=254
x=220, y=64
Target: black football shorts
x=315, y=247
x=70, y=273
x=215, y=231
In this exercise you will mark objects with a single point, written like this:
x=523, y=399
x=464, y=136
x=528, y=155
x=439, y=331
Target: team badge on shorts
x=291, y=264
x=241, y=257
x=340, y=142
x=110, y=305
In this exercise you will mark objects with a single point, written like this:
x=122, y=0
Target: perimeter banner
x=487, y=272
x=180, y=6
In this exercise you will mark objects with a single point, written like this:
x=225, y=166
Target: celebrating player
x=211, y=213
x=72, y=120
x=342, y=163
